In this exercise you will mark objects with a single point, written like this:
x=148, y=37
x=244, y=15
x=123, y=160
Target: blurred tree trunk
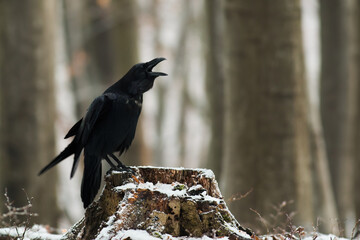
x=215, y=84
x=27, y=111
x=333, y=81
x=266, y=129
x=124, y=43
x=338, y=99
x=181, y=68
x=356, y=72
x=158, y=159
x=325, y=205
x=78, y=58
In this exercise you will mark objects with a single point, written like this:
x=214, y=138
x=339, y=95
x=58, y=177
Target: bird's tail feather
x=91, y=179
x=75, y=163
x=70, y=149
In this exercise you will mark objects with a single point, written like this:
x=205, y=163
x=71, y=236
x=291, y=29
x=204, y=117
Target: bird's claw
x=126, y=169
x=121, y=169
x=110, y=171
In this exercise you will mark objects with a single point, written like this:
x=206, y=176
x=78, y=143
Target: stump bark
x=159, y=203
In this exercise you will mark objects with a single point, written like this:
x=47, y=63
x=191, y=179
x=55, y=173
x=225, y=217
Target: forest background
x=264, y=93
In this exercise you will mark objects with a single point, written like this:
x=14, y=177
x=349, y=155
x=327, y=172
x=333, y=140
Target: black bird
x=108, y=126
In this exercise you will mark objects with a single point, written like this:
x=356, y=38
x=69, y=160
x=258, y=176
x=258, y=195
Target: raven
x=108, y=126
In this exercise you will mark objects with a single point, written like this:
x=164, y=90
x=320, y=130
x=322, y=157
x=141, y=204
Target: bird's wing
x=83, y=128
x=114, y=129
x=98, y=108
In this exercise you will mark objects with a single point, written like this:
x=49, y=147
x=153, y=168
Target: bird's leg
x=127, y=169
x=113, y=167
x=120, y=164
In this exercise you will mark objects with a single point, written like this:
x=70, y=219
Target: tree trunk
x=324, y=198
x=333, y=75
x=27, y=98
x=325, y=205
x=215, y=84
x=78, y=58
x=355, y=73
x=158, y=158
x=177, y=202
x=266, y=130
x=124, y=42
x=338, y=98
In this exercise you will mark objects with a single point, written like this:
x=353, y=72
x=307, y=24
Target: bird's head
x=140, y=78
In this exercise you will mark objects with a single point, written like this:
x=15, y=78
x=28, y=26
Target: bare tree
x=27, y=104
x=356, y=75
x=124, y=43
x=338, y=95
x=266, y=128
x=158, y=159
x=215, y=84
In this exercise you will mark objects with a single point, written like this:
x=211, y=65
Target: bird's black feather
x=108, y=126
x=74, y=129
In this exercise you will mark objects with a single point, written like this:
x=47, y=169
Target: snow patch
x=35, y=232
x=167, y=189
x=172, y=190
x=144, y=235
x=207, y=173
x=320, y=236
x=310, y=236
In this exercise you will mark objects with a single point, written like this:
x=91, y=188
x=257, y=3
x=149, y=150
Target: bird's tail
x=70, y=149
x=91, y=179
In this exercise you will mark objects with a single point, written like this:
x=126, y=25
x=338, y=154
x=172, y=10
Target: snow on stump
x=161, y=202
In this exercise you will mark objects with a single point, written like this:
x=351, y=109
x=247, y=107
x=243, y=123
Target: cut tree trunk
x=159, y=202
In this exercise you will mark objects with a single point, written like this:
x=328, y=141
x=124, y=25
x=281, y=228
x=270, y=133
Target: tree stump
x=159, y=203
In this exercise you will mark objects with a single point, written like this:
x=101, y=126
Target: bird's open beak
x=152, y=64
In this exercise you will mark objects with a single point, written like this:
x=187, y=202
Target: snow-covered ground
x=143, y=235
x=310, y=236
x=40, y=232
x=36, y=232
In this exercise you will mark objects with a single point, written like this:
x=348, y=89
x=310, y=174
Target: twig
x=263, y=220
x=239, y=196
x=14, y=212
x=355, y=231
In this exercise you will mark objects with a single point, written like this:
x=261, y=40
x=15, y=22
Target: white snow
x=167, y=189
x=207, y=173
x=40, y=232
x=36, y=232
x=172, y=190
x=320, y=236
x=144, y=235
x=311, y=236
